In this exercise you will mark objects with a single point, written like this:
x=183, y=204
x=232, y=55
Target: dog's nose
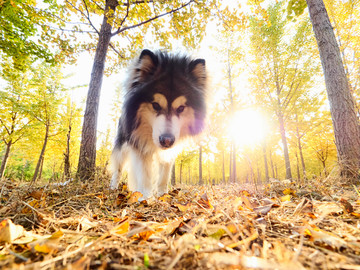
x=166, y=140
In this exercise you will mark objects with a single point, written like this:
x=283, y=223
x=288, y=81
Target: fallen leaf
x=285, y=198
x=9, y=231
x=328, y=208
x=37, y=194
x=165, y=198
x=289, y=191
x=323, y=238
x=145, y=235
x=182, y=207
x=247, y=203
x=204, y=201
x=347, y=206
x=134, y=197
x=263, y=210
x=122, y=228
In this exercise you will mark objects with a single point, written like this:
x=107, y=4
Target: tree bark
x=87, y=158
x=180, y=171
x=234, y=163
x=67, y=170
x=173, y=179
x=265, y=163
x=342, y=106
x=41, y=157
x=223, y=167
x=5, y=158
x=201, y=181
x=285, y=145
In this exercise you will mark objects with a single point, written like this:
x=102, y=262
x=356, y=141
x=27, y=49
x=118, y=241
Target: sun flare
x=247, y=127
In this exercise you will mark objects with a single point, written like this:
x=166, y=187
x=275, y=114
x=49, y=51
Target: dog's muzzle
x=166, y=140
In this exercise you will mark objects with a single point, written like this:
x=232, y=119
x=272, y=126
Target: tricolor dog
x=164, y=105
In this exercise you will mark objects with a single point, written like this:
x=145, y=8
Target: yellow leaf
x=289, y=191
x=56, y=235
x=285, y=198
x=44, y=248
x=165, y=198
x=122, y=228
x=182, y=207
x=146, y=235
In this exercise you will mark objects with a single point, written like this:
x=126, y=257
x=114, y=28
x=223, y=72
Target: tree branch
x=120, y=30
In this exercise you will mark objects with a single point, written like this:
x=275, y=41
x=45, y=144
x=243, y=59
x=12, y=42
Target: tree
x=26, y=32
x=342, y=107
x=131, y=21
x=282, y=67
x=15, y=119
x=46, y=82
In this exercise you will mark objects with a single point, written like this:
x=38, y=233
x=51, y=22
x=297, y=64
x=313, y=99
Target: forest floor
x=85, y=226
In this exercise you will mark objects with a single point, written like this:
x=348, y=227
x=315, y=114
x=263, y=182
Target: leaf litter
x=87, y=226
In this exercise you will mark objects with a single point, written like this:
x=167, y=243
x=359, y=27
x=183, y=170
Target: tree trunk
x=5, y=158
x=285, y=145
x=181, y=165
x=230, y=165
x=67, y=170
x=41, y=157
x=234, y=163
x=298, y=167
x=201, y=181
x=265, y=163
x=87, y=158
x=272, y=165
x=223, y=167
x=342, y=107
x=173, y=179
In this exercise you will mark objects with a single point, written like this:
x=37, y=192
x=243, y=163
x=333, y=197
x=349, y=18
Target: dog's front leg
x=118, y=158
x=165, y=171
x=141, y=178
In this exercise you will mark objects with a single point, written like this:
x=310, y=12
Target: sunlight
x=247, y=127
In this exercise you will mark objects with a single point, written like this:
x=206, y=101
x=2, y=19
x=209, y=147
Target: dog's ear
x=198, y=71
x=147, y=63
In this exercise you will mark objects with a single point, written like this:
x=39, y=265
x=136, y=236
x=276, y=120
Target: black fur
x=172, y=75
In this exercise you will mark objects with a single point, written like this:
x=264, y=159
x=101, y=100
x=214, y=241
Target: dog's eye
x=156, y=106
x=180, y=109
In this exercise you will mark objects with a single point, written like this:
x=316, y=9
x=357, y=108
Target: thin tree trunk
x=42, y=153
x=67, y=170
x=298, y=167
x=223, y=167
x=188, y=182
x=173, y=178
x=272, y=166
x=5, y=158
x=87, y=158
x=181, y=165
x=201, y=181
x=342, y=107
x=234, y=163
x=265, y=163
x=285, y=145
x=230, y=165
x=300, y=149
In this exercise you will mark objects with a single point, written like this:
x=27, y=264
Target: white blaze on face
x=167, y=122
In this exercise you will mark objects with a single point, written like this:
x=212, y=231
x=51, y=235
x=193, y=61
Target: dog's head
x=169, y=94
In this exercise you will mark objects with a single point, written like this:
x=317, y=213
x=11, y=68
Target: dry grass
x=84, y=226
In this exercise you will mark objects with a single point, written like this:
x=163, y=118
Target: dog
x=164, y=105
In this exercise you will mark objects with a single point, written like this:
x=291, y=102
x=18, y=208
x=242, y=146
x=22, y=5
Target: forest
x=271, y=183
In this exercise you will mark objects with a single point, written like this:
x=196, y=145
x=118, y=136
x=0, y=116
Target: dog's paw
x=114, y=183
